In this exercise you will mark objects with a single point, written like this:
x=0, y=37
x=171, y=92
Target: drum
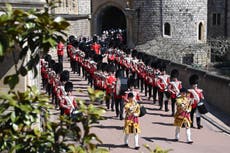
x=201, y=108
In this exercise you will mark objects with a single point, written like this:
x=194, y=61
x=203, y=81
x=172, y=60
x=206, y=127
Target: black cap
x=130, y=95
x=183, y=90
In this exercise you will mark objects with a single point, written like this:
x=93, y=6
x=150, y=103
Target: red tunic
x=96, y=47
x=174, y=88
x=162, y=82
x=196, y=95
x=110, y=83
x=60, y=49
x=65, y=104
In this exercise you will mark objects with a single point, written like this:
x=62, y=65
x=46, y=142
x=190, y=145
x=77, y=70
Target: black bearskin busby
x=193, y=79
x=134, y=53
x=174, y=73
x=47, y=57
x=95, y=39
x=110, y=68
x=71, y=39
x=51, y=63
x=162, y=66
x=104, y=67
x=68, y=86
x=58, y=68
x=139, y=55
x=64, y=76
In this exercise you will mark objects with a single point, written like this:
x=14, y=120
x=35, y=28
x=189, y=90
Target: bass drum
x=201, y=108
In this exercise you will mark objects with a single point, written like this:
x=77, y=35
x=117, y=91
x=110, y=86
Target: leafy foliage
x=26, y=35
x=158, y=149
x=25, y=125
x=19, y=121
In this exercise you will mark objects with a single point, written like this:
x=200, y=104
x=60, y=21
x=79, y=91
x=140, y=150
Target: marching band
x=147, y=73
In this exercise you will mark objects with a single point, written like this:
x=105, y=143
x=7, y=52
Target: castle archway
x=113, y=16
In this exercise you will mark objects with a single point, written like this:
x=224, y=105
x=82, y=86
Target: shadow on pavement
x=113, y=146
x=151, y=108
x=151, y=139
x=109, y=127
x=161, y=123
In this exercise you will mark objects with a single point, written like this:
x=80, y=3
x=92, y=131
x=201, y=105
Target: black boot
x=199, y=126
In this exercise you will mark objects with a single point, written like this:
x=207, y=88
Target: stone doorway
x=112, y=18
x=113, y=15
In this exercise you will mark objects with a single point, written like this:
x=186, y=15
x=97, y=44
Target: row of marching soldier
x=107, y=64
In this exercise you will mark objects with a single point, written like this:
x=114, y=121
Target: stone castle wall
x=80, y=27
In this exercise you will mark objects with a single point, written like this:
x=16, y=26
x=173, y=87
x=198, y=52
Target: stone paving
x=157, y=129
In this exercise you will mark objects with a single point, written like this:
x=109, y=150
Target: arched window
x=167, y=29
x=201, y=31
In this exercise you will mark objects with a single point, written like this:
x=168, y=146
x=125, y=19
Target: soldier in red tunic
x=162, y=84
x=68, y=102
x=60, y=51
x=110, y=86
x=174, y=88
x=196, y=94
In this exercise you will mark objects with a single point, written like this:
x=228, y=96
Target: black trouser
x=79, y=68
x=108, y=97
x=146, y=89
x=142, y=84
x=60, y=59
x=154, y=94
x=173, y=101
x=75, y=66
x=119, y=106
x=150, y=91
x=161, y=97
x=72, y=64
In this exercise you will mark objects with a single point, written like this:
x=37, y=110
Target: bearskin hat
x=134, y=53
x=68, y=86
x=193, y=79
x=51, y=63
x=47, y=57
x=95, y=38
x=98, y=58
x=71, y=39
x=99, y=66
x=64, y=76
x=128, y=51
x=154, y=64
x=104, y=67
x=58, y=68
x=110, y=68
x=174, y=73
x=139, y=55
x=162, y=66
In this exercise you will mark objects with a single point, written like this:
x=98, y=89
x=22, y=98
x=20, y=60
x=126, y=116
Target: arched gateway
x=111, y=16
